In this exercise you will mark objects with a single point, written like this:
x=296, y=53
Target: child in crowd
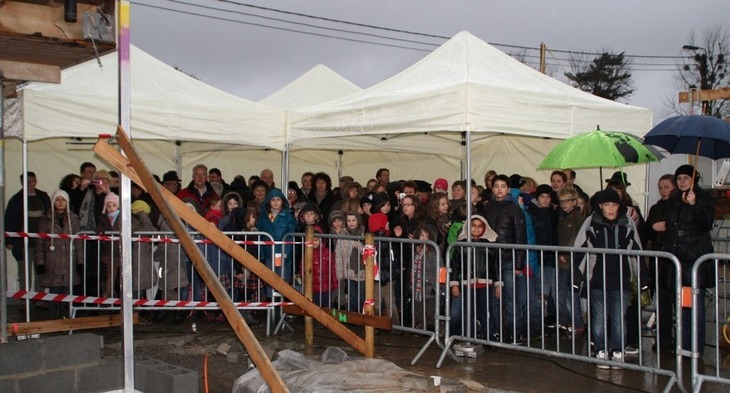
x=348, y=254
x=378, y=224
x=424, y=279
x=214, y=213
x=608, y=276
x=484, y=284
x=59, y=263
x=439, y=210
x=570, y=220
x=324, y=276
x=277, y=220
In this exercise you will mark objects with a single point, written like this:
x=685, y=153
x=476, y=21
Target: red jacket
x=324, y=276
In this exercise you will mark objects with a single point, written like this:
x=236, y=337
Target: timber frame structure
x=39, y=38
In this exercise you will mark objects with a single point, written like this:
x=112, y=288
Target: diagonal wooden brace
x=162, y=197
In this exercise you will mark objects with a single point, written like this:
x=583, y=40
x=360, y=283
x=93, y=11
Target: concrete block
x=8, y=385
x=62, y=381
x=333, y=355
x=141, y=365
x=449, y=385
x=71, y=350
x=108, y=375
x=18, y=357
x=417, y=383
x=166, y=378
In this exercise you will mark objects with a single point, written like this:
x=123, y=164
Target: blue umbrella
x=706, y=136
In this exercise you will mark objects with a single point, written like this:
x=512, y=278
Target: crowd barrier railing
x=407, y=289
x=549, y=309
x=710, y=326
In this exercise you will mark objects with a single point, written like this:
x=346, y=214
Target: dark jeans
x=485, y=307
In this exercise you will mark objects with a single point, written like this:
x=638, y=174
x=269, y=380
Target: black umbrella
x=706, y=136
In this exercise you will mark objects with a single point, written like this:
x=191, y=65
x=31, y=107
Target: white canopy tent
x=465, y=85
x=316, y=86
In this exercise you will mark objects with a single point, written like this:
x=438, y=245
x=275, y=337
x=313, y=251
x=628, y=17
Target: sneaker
x=602, y=355
x=617, y=357
x=631, y=350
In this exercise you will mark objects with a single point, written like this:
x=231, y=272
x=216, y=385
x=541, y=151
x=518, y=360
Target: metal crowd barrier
x=162, y=271
x=513, y=321
x=712, y=304
x=411, y=297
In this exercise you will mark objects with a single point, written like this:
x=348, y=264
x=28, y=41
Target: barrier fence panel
x=407, y=280
x=710, y=346
x=574, y=303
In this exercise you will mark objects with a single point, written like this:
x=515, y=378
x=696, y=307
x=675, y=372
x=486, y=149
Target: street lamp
x=703, y=68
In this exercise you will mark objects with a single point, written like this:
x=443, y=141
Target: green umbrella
x=598, y=149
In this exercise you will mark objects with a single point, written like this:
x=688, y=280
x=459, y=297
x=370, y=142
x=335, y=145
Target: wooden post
x=368, y=308
x=116, y=159
x=307, y=279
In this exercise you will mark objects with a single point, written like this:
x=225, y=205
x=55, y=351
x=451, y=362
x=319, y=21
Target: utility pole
x=543, y=49
x=703, y=68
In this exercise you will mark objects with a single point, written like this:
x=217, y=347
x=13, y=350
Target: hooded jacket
x=618, y=234
x=56, y=254
x=277, y=226
x=484, y=265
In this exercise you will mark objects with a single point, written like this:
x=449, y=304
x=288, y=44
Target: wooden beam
x=65, y=325
x=9, y=90
x=37, y=19
x=116, y=159
x=19, y=71
x=235, y=319
x=722, y=93
x=349, y=317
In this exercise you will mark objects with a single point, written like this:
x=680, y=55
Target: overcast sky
x=234, y=47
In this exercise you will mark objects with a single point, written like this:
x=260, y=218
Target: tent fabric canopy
x=466, y=84
x=316, y=86
x=166, y=105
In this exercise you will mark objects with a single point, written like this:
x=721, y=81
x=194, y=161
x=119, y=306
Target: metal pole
x=3, y=261
x=26, y=266
x=125, y=98
x=285, y=170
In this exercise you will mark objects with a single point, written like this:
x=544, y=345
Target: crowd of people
x=505, y=209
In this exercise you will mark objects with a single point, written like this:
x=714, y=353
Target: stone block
x=141, y=365
x=62, y=381
x=72, y=350
x=449, y=385
x=108, y=375
x=17, y=357
x=8, y=385
x=417, y=383
x=164, y=378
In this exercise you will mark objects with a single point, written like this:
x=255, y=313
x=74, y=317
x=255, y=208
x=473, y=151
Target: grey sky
x=253, y=62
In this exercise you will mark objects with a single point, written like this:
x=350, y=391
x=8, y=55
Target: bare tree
x=607, y=75
x=522, y=57
x=706, y=68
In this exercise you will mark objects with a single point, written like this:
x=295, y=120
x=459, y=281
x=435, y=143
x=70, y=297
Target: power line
x=575, y=54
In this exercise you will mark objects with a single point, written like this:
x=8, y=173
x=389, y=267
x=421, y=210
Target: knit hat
x=63, y=194
x=367, y=198
x=516, y=181
x=334, y=215
x=543, y=189
x=441, y=183
x=619, y=177
x=111, y=197
x=140, y=206
x=688, y=170
x=377, y=222
x=609, y=195
x=379, y=200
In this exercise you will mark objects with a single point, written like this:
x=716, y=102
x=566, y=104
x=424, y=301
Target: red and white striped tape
x=136, y=239
x=54, y=297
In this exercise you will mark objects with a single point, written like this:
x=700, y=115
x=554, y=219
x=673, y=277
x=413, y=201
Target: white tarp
x=166, y=105
x=466, y=84
x=316, y=86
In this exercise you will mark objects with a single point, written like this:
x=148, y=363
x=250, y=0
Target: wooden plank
x=722, y=93
x=308, y=271
x=64, y=325
x=45, y=20
x=115, y=158
x=235, y=319
x=19, y=71
x=349, y=317
x=368, y=308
